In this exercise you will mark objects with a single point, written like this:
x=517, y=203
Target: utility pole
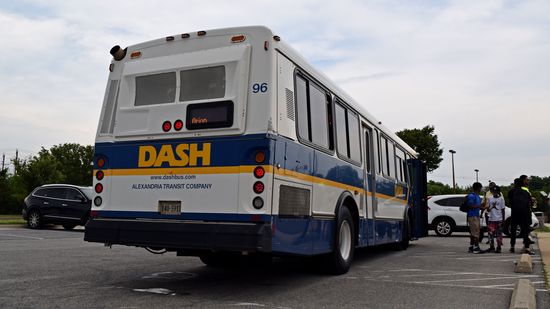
x=16, y=162
x=453, y=163
x=477, y=171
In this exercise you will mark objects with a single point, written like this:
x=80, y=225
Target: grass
x=544, y=229
x=11, y=219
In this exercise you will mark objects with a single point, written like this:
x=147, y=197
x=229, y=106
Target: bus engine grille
x=293, y=201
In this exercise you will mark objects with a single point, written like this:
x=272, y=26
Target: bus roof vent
x=293, y=201
x=289, y=104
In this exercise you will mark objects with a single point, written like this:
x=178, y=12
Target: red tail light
x=258, y=187
x=98, y=188
x=259, y=172
x=178, y=125
x=99, y=175
x=166, y=126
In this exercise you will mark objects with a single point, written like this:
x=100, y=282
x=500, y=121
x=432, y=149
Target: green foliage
x=438, y=188
x=64, y=163
x=425, y=142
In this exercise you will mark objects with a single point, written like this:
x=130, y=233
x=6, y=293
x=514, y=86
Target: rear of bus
x=183, y=154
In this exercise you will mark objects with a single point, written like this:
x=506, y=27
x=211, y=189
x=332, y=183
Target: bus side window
x=391, y=159
x=384, y=156
x=302, y=108
x=314, y=113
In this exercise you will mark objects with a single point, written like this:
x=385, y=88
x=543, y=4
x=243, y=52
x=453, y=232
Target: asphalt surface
x=53, y=268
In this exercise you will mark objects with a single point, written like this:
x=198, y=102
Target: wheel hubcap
x=443, y=228
x=33, y=219
x=345, y=240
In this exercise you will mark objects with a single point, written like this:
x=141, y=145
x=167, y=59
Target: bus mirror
x=118, y=53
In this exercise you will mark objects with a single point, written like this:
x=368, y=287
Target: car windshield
x=88, y=192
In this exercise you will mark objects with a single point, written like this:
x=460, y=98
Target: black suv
x=67, y=205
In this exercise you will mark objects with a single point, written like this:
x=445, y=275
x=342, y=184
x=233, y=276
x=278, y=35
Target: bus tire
x=339, y=261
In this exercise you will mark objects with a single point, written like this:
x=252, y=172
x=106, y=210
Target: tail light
x=178, y=125
x=258, y=202
x=258, y=187
x=259, y=157
x=166, y=126
x=98, y=200
x=98, y=188
x=259, y=172
x=99, y=175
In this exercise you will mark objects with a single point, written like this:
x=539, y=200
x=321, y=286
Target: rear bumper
x=188, y=235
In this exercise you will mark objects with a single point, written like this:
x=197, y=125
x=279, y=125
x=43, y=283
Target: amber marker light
x=101, y=162
x=135, y=55
x=238, y=38
x=201, y=33
x=259, y=157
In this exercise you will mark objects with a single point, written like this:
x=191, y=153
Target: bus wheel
x=339, y=261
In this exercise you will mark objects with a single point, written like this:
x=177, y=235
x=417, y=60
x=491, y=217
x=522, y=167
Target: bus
x=227, y=142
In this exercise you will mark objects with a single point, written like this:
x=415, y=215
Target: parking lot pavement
x=56, y=268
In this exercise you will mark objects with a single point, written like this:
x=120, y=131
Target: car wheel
x=443, y=227
x=339, y=261
x=69, y=226
x=34, y=220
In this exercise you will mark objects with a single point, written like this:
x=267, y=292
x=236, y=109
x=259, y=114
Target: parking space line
x=480, y=279
x=19, y=236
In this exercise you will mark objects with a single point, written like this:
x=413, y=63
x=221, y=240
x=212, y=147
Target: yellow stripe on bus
x=242, y=169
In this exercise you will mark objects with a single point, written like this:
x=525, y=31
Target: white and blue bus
x=227, y=141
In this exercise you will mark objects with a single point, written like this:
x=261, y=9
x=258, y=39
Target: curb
x=523, y=296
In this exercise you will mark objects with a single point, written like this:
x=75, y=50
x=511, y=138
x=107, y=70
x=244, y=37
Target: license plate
x=170, y=207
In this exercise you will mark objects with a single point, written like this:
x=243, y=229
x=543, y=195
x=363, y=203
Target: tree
x=74, y=162
x=425, y=142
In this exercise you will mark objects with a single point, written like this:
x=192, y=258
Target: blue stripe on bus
x=222, y=217
x=313, y=236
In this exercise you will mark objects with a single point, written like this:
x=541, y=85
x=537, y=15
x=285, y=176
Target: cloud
x=469, y=68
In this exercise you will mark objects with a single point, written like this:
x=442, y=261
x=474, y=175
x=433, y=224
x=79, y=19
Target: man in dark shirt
x=520, y=200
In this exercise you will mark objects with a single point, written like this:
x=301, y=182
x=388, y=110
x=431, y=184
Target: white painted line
x=30, y=237
x=156, y=291
x=249, y=304
x=479, y=279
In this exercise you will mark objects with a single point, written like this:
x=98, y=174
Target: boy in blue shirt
x=474, y=204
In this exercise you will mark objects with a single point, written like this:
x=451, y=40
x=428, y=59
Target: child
x=495, y=205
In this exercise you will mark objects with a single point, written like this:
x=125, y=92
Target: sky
x=478, y=71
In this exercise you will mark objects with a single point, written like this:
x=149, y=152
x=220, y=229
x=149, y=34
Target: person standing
x=474, y=205
x=520, y=199
x=495, y=204
x=485, y=214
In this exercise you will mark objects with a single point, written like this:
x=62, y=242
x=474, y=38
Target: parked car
x=67, y=205
x=445, y=217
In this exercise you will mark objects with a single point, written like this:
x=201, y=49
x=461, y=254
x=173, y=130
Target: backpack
x=464, y=207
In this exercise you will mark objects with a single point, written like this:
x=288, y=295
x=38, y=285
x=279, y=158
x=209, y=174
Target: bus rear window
x=155, y=89
x=209, y=115
x=203, y=83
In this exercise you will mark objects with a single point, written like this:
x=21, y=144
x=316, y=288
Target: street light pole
x=477, y=171
x=453, y=164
